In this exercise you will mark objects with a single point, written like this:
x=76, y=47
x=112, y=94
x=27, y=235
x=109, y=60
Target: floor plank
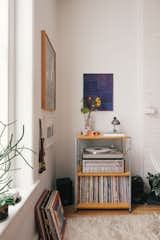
x=136, y=209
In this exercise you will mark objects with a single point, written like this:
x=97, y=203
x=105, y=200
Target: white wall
x=120, y=37
x=98, y=37
x=33, y=16
x=45, y=19
x=152, y=85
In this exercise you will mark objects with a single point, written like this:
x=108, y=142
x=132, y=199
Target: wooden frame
x=48, y=74
x=57, y=213
x=38, y=214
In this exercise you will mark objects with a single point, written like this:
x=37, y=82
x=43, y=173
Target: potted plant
x=154, y=182
x=8, y=152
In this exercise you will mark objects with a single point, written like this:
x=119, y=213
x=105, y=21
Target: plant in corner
x=90, y=104
x=154, y=182
x=8, y=152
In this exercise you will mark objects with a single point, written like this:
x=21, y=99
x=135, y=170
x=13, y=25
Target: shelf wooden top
x=124, y=174
x=104, y=136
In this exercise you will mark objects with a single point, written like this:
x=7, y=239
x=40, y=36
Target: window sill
x=13, y=210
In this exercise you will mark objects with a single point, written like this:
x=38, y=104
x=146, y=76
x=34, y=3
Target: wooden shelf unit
x=103, y=205
x=109, y=136
x=83, y=141
x=98, y=174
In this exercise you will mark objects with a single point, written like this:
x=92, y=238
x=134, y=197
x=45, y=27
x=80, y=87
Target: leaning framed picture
x=57, y=214
x=48, y=74
x=38, y=214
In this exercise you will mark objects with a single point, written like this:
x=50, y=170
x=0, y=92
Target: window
x=7, y=69
x=7, y=106
x=4, y=46
x=16, y=92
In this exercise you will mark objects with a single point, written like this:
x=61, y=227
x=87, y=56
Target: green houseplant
x=8, y=152
x=154, y=182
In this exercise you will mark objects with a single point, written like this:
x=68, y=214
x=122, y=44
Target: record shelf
x=103, y=190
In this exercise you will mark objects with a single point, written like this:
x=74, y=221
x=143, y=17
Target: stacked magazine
x=50, y=216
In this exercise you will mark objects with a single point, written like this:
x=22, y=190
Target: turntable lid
x=96, y=150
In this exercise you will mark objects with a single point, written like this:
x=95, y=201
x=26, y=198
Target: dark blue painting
x=100, y=85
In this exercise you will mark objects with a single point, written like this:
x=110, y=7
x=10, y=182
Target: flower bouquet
x=90, y=104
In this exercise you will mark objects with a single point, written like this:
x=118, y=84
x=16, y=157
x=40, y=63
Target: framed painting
x=101, y=85
x=48, y=74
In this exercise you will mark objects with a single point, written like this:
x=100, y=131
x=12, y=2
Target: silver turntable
x=97, y=150
x=102, y=153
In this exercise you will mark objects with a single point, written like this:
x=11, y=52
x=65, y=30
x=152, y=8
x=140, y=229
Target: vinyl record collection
x=104, y=189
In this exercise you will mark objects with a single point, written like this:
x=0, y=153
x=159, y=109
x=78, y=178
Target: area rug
x=123, y=227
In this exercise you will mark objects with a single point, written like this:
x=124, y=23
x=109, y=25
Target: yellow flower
x=98, y=101
x=90, y=104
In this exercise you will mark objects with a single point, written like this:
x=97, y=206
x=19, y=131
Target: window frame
x=11, y=64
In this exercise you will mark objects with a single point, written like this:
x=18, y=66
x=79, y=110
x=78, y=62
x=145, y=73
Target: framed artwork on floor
x=57, y=214
x=38, y=214
x=49, y=214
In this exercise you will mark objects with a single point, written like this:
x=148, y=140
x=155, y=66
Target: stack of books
x=49, y=215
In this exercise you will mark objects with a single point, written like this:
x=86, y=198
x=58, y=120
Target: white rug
x=124, y=227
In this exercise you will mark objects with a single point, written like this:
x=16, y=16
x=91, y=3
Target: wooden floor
x=136, y=209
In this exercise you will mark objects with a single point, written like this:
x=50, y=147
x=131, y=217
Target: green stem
x=88, y=118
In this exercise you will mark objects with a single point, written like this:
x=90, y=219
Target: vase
x=89, y=121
